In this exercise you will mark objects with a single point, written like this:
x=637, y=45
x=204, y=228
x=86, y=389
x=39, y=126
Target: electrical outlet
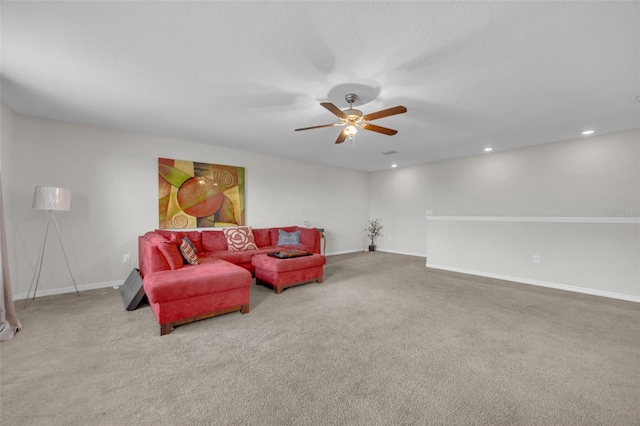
x=536, y=258
x=126, y=258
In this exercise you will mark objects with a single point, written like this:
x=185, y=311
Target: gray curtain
x=9, y=323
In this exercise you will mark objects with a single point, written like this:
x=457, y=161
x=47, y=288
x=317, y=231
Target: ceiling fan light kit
x=354, y=119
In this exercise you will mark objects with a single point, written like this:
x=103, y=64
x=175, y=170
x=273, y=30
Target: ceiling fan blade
x=318, y=127
x=379, y=129
x=385, y=113
x=334, y=109
x=341, y=137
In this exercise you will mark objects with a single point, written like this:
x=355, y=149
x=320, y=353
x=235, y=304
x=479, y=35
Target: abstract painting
x=199, y=195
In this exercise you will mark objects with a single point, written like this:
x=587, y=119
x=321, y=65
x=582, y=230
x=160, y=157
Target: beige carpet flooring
x=383, y=341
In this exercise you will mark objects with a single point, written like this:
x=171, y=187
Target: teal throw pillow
x=288, y=238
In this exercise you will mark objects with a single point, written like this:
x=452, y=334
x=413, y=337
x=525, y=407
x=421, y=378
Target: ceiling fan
x=354, y=119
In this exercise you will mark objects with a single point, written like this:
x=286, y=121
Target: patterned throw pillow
x=188, y=251
x=240, y=238
x=288, y=238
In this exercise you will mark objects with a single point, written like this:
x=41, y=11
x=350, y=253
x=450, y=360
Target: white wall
x=588, y=177
x=7, y=118
x=113, y=178
x=114, y=183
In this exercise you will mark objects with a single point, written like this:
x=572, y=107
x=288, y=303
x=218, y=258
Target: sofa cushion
x=240, y=238
x=214, y=241
x=262, y=237
x=270, y=249
x=167, y=249
x=288, y=238
x=235, y=257
x=155, y=238
x=176, y=237
x=149, y=257
x=212, y=276
x=170, y=253
x=308, y=238
x=188, y=251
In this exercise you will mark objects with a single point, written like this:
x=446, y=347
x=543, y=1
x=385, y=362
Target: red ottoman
x=196, y=292
x=283, y=273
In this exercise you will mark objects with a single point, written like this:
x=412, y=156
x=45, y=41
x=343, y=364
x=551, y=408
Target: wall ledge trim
x=557, y=219
x=575, y=289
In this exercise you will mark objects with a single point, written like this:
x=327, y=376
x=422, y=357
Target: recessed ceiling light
x=394, y=165
x=588, y=132
x=488, y=149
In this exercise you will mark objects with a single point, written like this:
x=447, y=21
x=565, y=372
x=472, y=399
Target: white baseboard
x=557, y=286
x=406, y=253
x=335, y=253
x=72, y=289
x=575, y=289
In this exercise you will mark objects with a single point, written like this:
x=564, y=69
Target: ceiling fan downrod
x=351, y=98
x=353, y=117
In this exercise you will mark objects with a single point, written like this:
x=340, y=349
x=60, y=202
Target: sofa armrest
x=150, y=258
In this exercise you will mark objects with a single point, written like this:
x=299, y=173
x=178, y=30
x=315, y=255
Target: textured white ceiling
x=243, y=75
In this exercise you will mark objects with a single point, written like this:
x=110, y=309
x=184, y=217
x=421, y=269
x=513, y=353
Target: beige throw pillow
x=240, y=238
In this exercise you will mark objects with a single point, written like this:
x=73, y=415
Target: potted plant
x=374, y=230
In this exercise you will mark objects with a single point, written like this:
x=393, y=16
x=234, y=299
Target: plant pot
x=372, y=248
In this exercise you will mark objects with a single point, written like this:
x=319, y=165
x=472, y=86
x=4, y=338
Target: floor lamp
x=50, y=198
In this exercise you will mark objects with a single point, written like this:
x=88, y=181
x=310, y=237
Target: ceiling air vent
x=389, y=152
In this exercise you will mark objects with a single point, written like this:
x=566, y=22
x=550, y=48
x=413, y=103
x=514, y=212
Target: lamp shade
x=51, y=198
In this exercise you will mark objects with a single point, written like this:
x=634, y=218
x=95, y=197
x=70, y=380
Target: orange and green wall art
x=199, y=195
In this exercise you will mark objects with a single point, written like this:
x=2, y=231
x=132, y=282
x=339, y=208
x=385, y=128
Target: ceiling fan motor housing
x=351, y=98
x=353, y=115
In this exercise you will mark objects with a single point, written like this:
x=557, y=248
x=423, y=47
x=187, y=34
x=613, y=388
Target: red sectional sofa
x=180, y=293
